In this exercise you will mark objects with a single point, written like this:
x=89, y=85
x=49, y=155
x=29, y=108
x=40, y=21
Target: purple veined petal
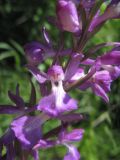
x=72, y=154
x=9, y=109
x=67, y=16
x=111, y=58
x=73, y=66
x=79, y=74
x=74, y=135
x=41, y=77
x=27, y=130
x=99, y=91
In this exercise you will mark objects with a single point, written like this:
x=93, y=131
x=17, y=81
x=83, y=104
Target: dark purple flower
x=67, y=16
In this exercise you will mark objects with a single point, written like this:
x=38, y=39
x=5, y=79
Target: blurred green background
x=21, y=22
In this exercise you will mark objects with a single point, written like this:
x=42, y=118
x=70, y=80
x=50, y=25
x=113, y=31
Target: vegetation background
x=21, y=22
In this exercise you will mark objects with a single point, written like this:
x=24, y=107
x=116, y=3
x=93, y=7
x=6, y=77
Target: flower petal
x=67, y=16
x=111, y=58
x=72, y=154
x=74, y=135
x=27, y=129
x=39, y=76
x=55, y=104
x=99, y=91
x=73, y=66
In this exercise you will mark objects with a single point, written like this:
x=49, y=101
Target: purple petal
x=39, y=76
x=72, y=154
x=67, y=16
x=114, y=71
x=112, y=11
x=88, y=62
x=79, y=74
x=45, y=144
x=99, y=91
x=27, y=129
x=102, y=76
x=56, y=104
x=34, y=52
x=73, y=66
x=111, y=58
x=55, y=73
x=75, y=135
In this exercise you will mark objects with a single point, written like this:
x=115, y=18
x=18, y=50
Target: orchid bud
x=68, y=16
x=33, y=53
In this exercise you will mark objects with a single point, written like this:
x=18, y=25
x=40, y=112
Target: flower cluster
x=83, y=19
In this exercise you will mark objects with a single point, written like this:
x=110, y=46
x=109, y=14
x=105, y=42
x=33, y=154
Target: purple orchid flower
x=58, y=101
x=64, y=138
